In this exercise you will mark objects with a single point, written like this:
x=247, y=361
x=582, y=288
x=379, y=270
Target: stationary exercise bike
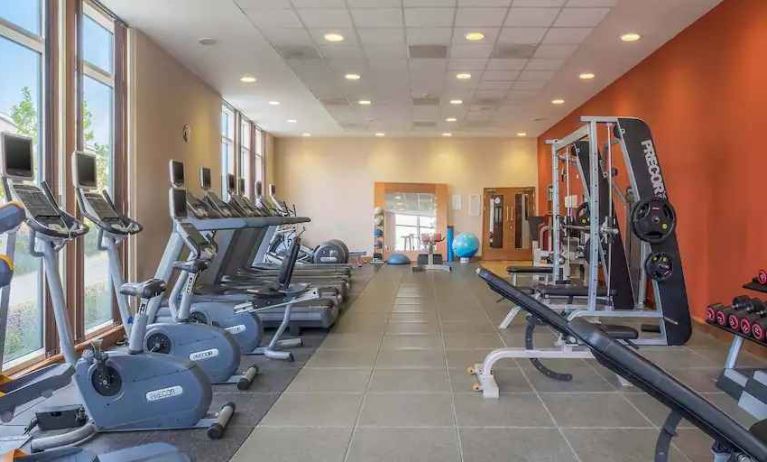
x=215, y=350
x=121, y=390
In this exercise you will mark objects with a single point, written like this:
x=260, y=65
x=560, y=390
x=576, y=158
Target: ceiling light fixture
x=274, y=103
x=334, y=37
x=474, y=36
x=450, y=119
x=447, y=134
x=306, y=135
x=456, y=101
x=352, y=76
x=586, y=76
x=521, y=134
x=557, y=101
x=364, y=102
x=292, y=121
x=207, y=41
x=247, y=78
x=380, y=134
x=631, y=37
x=463, y=76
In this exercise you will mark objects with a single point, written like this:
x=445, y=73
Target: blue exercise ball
x=378, y=232
x=465, y=245
x=398, y=259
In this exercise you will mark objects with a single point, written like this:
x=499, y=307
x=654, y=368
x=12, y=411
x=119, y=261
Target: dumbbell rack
x=748, y=386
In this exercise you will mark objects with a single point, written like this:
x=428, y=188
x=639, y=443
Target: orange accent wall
x=704, y=95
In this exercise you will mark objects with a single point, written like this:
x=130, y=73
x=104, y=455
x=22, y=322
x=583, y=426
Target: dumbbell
x=754, y=305
x=747, y=321
x=759, y=329
x=761, y=277
x=711, y=311
x=740, y=302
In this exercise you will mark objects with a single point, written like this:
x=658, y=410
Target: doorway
x=505, y=227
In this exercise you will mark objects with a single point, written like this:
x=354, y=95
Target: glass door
x=506, y=231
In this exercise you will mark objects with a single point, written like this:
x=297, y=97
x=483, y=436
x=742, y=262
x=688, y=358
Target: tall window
x=22, y=49
x=97, y=136
x=409, y=228
x=228, y=125
x=259, y=158
x=246, y=151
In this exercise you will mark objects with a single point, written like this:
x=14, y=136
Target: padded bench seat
x=571, y=290
x=619, y=332
x=530, y=269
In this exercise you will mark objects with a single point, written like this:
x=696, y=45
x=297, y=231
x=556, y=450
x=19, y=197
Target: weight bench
x=731, y=440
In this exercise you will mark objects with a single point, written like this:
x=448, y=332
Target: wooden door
x=505, y=228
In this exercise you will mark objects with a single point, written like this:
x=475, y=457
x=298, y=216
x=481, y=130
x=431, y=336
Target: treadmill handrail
x=638, y=370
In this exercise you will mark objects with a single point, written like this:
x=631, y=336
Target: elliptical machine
x=215, y=350
x=121, y=390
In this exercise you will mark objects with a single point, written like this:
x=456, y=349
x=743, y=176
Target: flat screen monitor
x=178, y=202
x=17, y=155
x=205, y=178
x=177, y=173
x=241, y=185
x=231, y=183
x=85, y=170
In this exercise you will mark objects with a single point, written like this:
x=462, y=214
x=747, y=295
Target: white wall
x=331, y=179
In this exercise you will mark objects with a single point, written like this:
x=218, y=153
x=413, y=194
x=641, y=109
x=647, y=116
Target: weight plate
x=653, y=220
x=106, y=381
x=762, y=277
x=659, y=266
x=583, y=214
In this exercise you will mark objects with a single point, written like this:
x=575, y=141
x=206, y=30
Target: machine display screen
x=232, y=183
x=205, y=178
x=86, y=170
x=177, y=173
x=17, y=154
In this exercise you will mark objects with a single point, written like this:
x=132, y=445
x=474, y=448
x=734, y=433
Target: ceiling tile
x=531, y=17
x=284, y=36
x=537, y=64
x=374, y=3
x=494, y=85
x=428, y=65
x=566, y=35
x=506, y=64
x=394, y=65
x=318, y=3
x=528, y=75
x=529, y=85
x=437, y=3
x=586, y=3
x=377, y=17
x=274, y=18
x=429, y=35
x=381, y=36
x=427, y=51
x=429, y=17
x=484, y=3
x=514, y=50
x=470, y=51
x=341, y=52
x=386, y=52
x=489, y=94
x=466, y=64
x=263, y=5
x=528, y=35
x=314, y=18
x=500, y=75
x=520, y=95
x=487, y=17
x=581, y=17
x=541, y=3
x=555, y=51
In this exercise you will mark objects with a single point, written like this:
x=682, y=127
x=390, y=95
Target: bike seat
x=147, y=289
x=191, y=266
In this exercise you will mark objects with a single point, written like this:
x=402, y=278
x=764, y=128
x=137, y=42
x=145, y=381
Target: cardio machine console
x=197, y=243
x=39, y=208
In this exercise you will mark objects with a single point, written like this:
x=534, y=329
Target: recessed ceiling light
x=456, y=101
x=557, y=101
x=292, y=121
x=306, y=135
x=474, y=36
x=364, y=102
x=447, y=134
x=463, y=76
x=450, y=119
x=247, y=79
x=521, y=134
x=274, y=103
x=207, y=41
x=380, y=134
x=352, y=77
x=586, y=76
x=631, y=37
x=334, y=37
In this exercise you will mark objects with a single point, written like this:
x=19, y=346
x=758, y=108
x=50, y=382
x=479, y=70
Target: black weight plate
x=653, y=220
x=659, y=266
